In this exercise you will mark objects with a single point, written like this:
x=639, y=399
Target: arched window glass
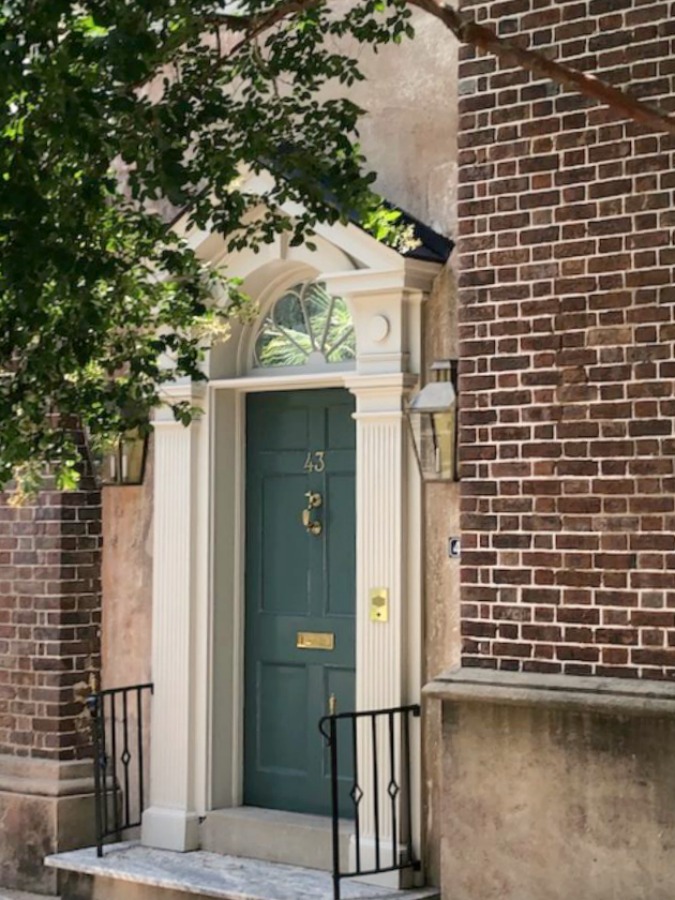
x=306, y=326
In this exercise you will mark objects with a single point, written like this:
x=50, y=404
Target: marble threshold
x=225, y=877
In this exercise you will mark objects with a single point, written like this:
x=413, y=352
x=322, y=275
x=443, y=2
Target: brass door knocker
x=314, y=501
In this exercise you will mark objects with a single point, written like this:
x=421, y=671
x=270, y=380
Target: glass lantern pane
x=131, y=458
x=434, y=438
x=108, y=467
x=104, y=457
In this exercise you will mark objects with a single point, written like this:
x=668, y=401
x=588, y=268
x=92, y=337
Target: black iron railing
x=382, y=737
x=118, y=719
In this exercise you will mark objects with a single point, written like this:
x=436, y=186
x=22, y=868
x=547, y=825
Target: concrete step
x=126, y=868
x=7, y=894
x=291, y=838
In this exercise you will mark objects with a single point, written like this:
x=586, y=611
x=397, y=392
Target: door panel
x=282, y=694
x=298, y=442
x=284, y=587
x=340, y=563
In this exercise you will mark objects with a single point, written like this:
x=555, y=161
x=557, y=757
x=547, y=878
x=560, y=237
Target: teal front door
x=300, y=592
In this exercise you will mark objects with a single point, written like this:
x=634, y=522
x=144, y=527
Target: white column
x=179, y=569
x=383, y=546
x=380, y=562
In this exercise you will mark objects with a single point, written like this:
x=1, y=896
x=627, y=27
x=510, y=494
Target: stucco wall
x=127, y=604
x=441, y=579
x=127, y=583
x=409, y=135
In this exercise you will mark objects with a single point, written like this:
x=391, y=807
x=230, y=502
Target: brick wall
x=567, y=226
x=49, y=621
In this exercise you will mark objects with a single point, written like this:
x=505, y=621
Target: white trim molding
x=198, y=588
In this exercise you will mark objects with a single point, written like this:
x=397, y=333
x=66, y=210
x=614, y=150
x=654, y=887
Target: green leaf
x=95, y=288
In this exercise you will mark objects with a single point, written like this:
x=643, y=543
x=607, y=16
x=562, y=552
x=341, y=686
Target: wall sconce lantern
x=124, y=461
x=432, y=415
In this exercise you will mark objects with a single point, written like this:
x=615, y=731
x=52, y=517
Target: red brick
x=573, y=436
x=50, y=600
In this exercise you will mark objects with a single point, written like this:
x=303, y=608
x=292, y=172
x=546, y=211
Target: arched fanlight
x=305, y=326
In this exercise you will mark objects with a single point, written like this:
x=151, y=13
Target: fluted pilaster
x=171, y=820
x=382, y=551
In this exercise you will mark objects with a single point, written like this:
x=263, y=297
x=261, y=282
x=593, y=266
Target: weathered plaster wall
x=127, y=583
x=543, y=804
x=441, y=579
x=86, y=887
x=409, y=139
x=127, y=602
x=409, y=135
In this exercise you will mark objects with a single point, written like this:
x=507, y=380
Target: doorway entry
x=300, y=585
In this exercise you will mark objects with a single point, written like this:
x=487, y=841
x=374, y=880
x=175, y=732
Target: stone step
x=207, y=874
x=291, y=838
x=9, y=894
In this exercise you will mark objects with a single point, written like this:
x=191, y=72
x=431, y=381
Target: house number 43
x=315, y=461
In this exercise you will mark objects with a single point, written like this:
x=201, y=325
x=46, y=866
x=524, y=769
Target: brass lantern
x=432, y=415
x=123, y=462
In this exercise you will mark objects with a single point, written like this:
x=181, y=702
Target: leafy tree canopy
x=96, y=291
x=178, y=97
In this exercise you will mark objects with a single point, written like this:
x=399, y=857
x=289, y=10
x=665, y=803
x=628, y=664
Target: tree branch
x=255, y=25
x=251, y=25
x=467, y=31
x=621, y=103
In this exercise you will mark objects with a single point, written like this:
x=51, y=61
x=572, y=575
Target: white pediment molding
x=361, y=252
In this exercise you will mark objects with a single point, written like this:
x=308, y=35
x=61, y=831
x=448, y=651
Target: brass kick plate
x=315, y=640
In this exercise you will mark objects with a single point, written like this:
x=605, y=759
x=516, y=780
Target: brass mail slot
x=315, y=640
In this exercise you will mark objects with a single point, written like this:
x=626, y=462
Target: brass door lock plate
x=379, y=604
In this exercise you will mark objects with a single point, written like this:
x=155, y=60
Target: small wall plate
x=454, y=547
x=379, y=604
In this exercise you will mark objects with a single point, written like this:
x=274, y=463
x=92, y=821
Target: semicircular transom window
x=306, y=326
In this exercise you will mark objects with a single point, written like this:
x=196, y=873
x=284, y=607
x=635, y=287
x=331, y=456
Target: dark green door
x=300, y=587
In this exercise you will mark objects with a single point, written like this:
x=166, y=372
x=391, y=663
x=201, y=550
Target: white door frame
x=198, y=566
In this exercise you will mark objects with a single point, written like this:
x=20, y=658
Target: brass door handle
x=314, y=501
